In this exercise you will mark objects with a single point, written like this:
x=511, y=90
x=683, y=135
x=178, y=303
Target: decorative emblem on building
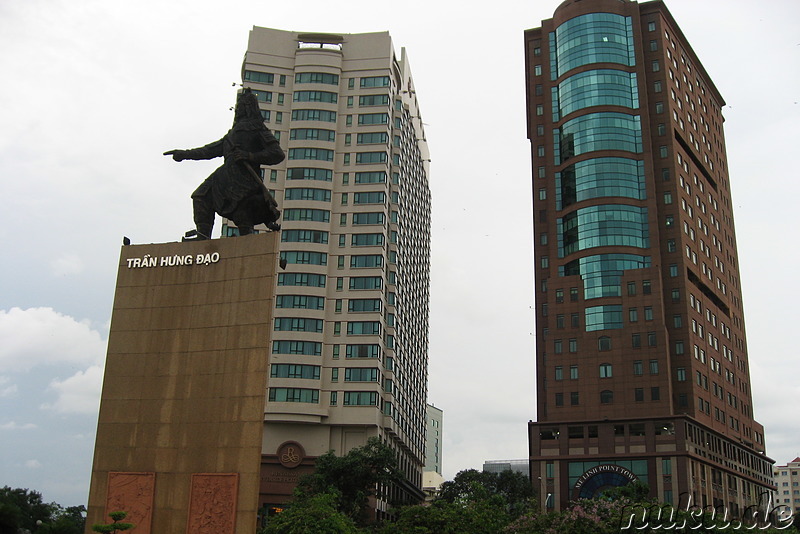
x=291, y=454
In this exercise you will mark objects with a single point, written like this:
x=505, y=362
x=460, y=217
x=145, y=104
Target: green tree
x=312, y=514
x=486, y=515
x=116, y=526
x=353, y=477
x=22, y=508
x=514, y=489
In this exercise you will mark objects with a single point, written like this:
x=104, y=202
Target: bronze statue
x=235, y=190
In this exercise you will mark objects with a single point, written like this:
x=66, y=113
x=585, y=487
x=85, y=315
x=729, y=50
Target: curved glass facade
x=593, y=38
x=601, y=226
x=597, y=131
x=603, y=317
x=602, y=273
x=602, y=87
x=600, y=177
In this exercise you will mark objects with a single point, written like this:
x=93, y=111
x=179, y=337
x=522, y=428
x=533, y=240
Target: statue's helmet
x=247, y=107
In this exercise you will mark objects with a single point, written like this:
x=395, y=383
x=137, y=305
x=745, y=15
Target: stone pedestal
x=180, y=430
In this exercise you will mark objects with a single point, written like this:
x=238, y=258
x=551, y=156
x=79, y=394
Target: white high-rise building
x=349, y=355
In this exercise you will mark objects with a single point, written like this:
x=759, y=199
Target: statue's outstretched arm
x=209, y=151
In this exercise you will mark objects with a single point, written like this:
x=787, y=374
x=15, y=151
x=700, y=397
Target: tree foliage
x=312, y=514
x=21, y=509
x=116, y=526
x=353, y=477
x=512, y=488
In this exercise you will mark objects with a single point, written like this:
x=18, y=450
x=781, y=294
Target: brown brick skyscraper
x=642, y=362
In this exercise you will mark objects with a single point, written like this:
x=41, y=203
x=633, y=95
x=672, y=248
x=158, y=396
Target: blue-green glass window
x=366, y=282
x=602, y=87
x=307, y=193
x=368, y=218
x=372, y=138
x=306, y=214
x=363, y=328
x=601, y=226
x=260, y=77
x=367, y=240
x=301, y=173
x=360, y=398
x=364, y=305
x=298, y=324
x=373, y=100
x=372, y=197
x=316, y=77
x=371, y=157
x=315, y=134
x=372, y=177
x=362, y=351
x=289, y=370
x=373, y=118
x=304, y=236
x=294, y=395
x=307, y=348
x=366, y=261
x=321, y=154
x=361, y=374
x=597, y=131
x=603, y=318
x=301, y=279
x=598, y=178
x=304, y=257
x=316, y=96
x=265, y=114
x=313, y=115
x=602, y=273
x=374, y=81
x=302, y=302
x=263, y=96
x=593, y=38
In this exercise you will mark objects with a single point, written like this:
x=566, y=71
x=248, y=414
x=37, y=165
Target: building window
x=606, y=370
x=573, y=294
x=559, y=399
x=633, y=315
x=681, y=374
x=559, y=296
x=655, y=393
x=648, y=313
x=638, y=368
x=606, y=397
x=573, y=345
x=636, y=340
x=559, y=373
x=573, y=372
x=651, y=339
x=638, y=394
x=653, y=367
x=558, y=346
x=631, y=289
x=604, y=343
x=537, y=70
x=574, y=398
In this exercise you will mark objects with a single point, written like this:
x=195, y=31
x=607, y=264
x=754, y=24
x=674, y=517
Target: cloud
x=78, y=394
x=67, y=264
x=33, y=464
x=41, y=336
x=13, y=425
x=5, y=389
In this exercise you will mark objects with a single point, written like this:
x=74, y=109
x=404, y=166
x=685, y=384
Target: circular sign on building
x=596, y=480
x=291, y=454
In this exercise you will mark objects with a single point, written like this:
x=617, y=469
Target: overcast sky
x=94, y=91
